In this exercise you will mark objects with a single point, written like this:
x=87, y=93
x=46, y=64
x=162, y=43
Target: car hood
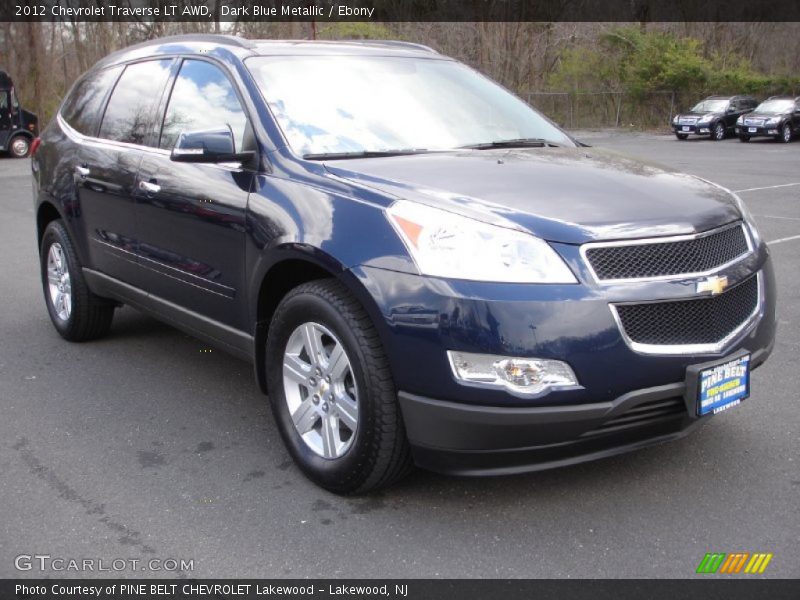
x=559, y=194
x=765, y=115
x=698, y=114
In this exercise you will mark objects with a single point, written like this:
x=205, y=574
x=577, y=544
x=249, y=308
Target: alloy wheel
x=320, y=390
x=719, y=131
x=58, y=282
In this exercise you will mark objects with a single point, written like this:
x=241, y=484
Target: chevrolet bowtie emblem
x=715, y=285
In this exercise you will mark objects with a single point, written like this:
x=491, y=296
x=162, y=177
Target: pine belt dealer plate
x=724, y=385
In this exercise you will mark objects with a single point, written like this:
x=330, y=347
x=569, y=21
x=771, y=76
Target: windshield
x=775, y=106
x=355, y=104
x=711, y=106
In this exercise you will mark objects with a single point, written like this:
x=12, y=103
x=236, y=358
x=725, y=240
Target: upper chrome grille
x=755, y=122
x=687, y=120
x=667, y=257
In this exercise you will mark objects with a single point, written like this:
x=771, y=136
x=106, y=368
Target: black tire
x=19, y=146
x=718, y=131
x=378, y=454
x=89, y=316
x=744, y=138
x=786, y=133
x=681, y=136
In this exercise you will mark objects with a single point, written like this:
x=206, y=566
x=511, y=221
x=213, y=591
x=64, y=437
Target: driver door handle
x=149, y=187
x=82, y=172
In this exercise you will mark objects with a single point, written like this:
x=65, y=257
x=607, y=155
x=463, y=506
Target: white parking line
x=777, y=217
x=769, y=187
x=786, y=239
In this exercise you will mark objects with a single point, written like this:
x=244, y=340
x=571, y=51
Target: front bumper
x=626, y=399
x=702, y=129
x=459, y=439
x=770, y=131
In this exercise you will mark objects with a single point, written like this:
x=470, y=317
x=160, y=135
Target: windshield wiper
x=515, y=143
x=364, y=154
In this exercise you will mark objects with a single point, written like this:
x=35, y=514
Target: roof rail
x=219, y=38
x=393, y=44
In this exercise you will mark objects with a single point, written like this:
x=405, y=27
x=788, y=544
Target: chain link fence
x=586, y=110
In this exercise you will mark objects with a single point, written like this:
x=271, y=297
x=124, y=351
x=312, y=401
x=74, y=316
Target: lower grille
x=654, y=412
x=706, y=320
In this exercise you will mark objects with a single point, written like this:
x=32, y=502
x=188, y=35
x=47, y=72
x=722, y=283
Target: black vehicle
x=777, y=117
x=411, y=280
x=18, y=127
x=715, y=117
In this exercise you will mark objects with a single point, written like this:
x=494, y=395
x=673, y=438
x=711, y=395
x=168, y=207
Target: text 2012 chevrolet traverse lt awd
x=422, y=268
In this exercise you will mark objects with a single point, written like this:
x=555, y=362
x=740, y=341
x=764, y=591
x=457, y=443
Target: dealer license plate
x=752, y=129
x=722, y=386
x=685, y=128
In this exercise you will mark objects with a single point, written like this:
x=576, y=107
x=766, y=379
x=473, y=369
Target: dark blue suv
x=422, y=269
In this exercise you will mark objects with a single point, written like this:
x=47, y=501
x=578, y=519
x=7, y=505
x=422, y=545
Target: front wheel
x=786, y=134
x=332, y=393
x=718, y=132
x=77, y=314
x=19, y=147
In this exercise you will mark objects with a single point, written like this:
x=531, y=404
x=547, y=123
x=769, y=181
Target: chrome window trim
x=685, y=349
x=666, y=240
x=77, y=136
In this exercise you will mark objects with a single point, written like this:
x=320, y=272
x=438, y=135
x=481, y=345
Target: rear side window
x=129, y=114
x=202, y=98
x=82, y=109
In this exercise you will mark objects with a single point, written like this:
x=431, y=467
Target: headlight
x=675, y=118
x=773, y=121
x=444, y=244
x=705, y=118
x=748, y=218
x=740, y=120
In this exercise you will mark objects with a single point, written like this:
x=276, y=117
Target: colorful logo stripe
x=720, y=562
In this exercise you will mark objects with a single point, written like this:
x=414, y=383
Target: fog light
x=520, y=376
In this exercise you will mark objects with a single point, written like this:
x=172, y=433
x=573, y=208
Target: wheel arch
x=21, y=132
x=292, y=268
x=46, y=213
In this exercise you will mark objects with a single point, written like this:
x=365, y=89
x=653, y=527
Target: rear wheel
x=786, y=133
x=77, y=314
x=718, y=132
x=332, y=393
x=19, y=147
x=681, y=136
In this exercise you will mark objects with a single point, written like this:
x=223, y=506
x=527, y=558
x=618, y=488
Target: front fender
x=327, y=227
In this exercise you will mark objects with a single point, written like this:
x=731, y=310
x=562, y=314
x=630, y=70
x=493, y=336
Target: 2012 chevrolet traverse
x=421, y=267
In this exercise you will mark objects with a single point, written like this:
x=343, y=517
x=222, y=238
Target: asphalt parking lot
x=144, y=446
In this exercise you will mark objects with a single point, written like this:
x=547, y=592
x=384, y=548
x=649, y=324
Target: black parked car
x=18, y=127
x=715, y=117
x=412, y=280
x=777, y=117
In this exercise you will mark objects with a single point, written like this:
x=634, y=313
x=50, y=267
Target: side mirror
x=207, y=146
x=731, y=109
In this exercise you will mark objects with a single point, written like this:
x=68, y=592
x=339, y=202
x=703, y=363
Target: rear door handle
x=82, y=172
x=149, y=187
